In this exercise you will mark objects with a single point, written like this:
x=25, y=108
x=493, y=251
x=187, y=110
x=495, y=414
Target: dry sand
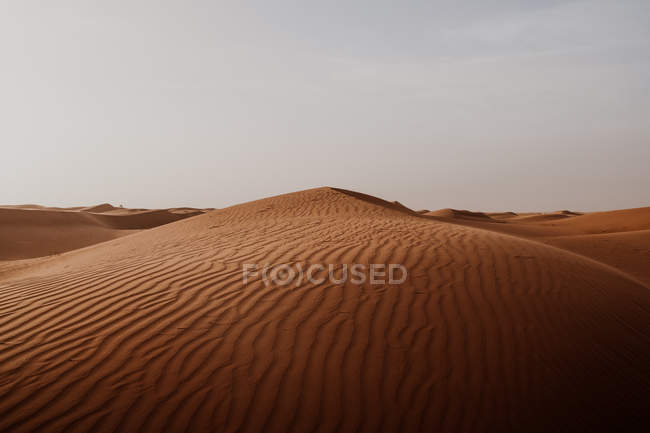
x=29, y=231
x=495, y=329
x=619, y=238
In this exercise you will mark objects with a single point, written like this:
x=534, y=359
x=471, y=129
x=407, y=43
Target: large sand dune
x=157, y=332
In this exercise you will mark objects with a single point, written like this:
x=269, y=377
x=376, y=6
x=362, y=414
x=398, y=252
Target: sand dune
x=617, y=238
x=460, y=214
x=157, y=332
x=104, y=207
x=501, y=215
x=610, y=222
x=541, y=217
x=628, y=251
x=35, y=231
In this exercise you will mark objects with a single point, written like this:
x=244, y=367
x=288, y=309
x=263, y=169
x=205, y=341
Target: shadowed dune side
x=501, y=215
x=142, y=220
x=156, y=331
x=394, y=205
x=542, y=217
x=36, y=232
x=460, y=214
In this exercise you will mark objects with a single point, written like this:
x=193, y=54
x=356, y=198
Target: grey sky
x=490, y=105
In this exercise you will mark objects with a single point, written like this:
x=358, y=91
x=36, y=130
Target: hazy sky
x=490, y=105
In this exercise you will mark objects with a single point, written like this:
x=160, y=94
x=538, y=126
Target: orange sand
x=491, y=332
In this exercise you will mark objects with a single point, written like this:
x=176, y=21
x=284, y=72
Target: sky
x=482, y=105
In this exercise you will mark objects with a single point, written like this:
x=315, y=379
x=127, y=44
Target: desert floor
x=133, y=320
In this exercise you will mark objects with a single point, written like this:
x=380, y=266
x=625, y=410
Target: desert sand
x=506, y=323
x=619, y=238
x=29, y=231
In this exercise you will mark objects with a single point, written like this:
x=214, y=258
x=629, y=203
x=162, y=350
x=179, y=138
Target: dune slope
x=619, y=238
x=30, y=231
x=157, y=332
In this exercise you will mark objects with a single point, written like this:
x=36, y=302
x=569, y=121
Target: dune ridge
x=156, y=331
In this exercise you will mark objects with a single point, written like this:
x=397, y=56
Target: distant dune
x=609, y=222
x=35, y=231
x=461, y=214
x=104, y=207
x=492, y=331
x=501, y=215
x=619, y=238
x=541, y=217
